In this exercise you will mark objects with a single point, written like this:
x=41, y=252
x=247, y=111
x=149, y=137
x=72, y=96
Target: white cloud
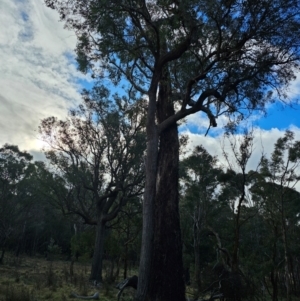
x=37, y=76
x=200, y=122
x=264, y=141
x=294, y=88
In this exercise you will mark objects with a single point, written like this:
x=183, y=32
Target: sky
x=38, y=79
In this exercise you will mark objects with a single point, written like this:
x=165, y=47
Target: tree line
x=239, y=227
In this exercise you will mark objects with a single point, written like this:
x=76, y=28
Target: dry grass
x=35, y=279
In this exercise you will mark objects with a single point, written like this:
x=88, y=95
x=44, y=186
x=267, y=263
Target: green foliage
x=26, y=220
x=113, y=247
x=274, y=185
x=226, y=55
x=268, y=219
x=83, y=244
x=53, y=248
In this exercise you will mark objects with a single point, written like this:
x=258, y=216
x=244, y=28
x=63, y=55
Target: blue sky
x=280, y=116
x=38, y=79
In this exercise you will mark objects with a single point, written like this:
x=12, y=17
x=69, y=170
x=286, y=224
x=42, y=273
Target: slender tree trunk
x=2, y=256
x=112, y=267
x=21, y=239
x=197, y=269
x=197, y=226
x=34, y=244
x=286, y=264
x=96, y=272
x=286, y=255
x=274, y=281
x=167, y=282
x=125, y=262
x=116, y=276
x=126, y=249
x=292, y=270
x=196, y=232
x=274, y=272
x=72, y=266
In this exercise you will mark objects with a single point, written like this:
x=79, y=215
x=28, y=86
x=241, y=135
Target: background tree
x=244, y=220
x=200, y=189
x=15, y=168
x=274, y=190
x=219, y=198
x=129, y=228
x=235, y=187
x=217, y=57
x=26, y=222
x=97, y=155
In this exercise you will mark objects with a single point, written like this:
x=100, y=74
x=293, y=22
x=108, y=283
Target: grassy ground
x=35, y=279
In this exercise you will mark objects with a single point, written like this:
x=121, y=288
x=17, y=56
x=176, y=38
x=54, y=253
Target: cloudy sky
x=38, y=78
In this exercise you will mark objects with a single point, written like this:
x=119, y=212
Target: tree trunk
x=2, y=256
x=197, y=270
x=72, y=266
x=167, y=281
x=274, y=272
x=21, y=240
x=125, y=262
x=126, y=248
x=286, y=255
x=96, y=272
x=34, y=244
x=196, y=232
x=274, y=282
x=145, y=274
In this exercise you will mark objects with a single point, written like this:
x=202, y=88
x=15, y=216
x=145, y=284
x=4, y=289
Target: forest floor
x=36, y=279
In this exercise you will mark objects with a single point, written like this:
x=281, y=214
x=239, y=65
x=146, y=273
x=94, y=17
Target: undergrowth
x=35, y=279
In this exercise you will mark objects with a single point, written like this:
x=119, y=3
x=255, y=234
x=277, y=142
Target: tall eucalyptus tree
x=217, y=57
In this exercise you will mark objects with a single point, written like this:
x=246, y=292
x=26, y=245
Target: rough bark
x=96, y=271
x=149, y=196
x=167, y=282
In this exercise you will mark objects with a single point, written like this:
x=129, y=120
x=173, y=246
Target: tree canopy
x=223, y=56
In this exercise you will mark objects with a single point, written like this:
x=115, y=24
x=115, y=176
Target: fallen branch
x=128, y=282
